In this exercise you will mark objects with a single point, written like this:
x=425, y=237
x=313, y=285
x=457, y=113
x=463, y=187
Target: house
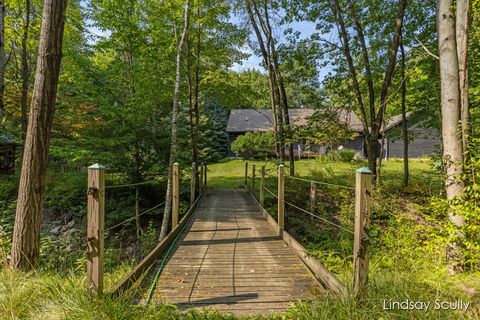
x=425, y=140
x=8, y=152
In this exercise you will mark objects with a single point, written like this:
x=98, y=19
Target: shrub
x=344, y=155
x=255, y=145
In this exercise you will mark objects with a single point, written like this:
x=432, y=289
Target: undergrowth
x=406, y=259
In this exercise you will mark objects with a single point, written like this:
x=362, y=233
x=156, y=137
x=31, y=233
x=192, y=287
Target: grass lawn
x=230, y=173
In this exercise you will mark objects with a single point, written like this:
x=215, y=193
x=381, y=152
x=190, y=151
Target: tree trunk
x=174, y=143
x=267, y=28
x=366, y=58
x=450, y=99
x=191, y=112
x=382, y=155
x=462, y=53
x=371, y=144
x=404, y=117
x=26, y=234
x=196, y=94
x=138, y=179
x=278, y=117
x=451, y=104
x=2, y=60
x=25, y=70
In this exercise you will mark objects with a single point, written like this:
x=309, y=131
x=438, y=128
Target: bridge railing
x=96, y=221
x=360, y=239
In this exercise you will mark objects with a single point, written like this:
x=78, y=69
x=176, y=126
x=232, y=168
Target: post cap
x=364, y=170
x=281, y=166
x=176, y=164
x=96, y=166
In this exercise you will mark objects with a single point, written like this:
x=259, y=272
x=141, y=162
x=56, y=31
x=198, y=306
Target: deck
x=230, y=259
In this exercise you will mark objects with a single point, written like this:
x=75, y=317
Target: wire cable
x=135, y=217
x=130, y=184
x=273, y=194
x=315, y=216
x=320, y=182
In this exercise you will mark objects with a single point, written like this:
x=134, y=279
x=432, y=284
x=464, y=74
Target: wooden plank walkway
x=231, y=260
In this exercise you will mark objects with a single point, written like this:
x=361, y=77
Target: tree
x=173, y=137
x=450, y=99
x=26, y=235
x=461, y=33
x=2, y=60
x=25, y=73
x=278, y=122
x=324, y=128
x=254, y=145
x=373, y=123
x=451, y=115
x=404, y=114
x=259, y=15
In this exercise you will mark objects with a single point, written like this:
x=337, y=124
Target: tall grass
x=56, y=296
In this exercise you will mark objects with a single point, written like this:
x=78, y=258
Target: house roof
x=8, y=139
x=396, y=120
x=247, y=120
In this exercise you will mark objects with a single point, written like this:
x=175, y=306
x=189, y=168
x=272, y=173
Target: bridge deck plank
x=231, y=260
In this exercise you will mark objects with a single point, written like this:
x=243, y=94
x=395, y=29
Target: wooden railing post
x=313, y=196
x=281, y=199
x=95, y=228
x=246, y=175
x=193, y=184
x=175, y=194
x=253, y=178
x=262, y=185
x=363, y=188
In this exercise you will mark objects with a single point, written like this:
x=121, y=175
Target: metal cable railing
x=96, y=217
x=270, y=192
x=318, y=217
x=321, y=183
x=131, y=184
x=140, y=214
x=135, y=217
x=362, y=201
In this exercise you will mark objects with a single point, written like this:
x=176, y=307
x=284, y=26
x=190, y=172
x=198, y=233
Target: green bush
x=255, y=145
x=466, y=205
x=344, y=155
x=66, y=194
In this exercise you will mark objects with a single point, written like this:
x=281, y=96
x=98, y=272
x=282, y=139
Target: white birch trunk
x=174, y=143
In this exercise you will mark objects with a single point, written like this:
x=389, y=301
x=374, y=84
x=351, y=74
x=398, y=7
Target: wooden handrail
x=360, y=254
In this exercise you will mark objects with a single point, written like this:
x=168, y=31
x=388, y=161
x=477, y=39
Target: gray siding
x=355, y=144
x=425, y=141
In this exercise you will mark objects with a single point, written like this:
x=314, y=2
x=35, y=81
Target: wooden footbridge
x=226, y=253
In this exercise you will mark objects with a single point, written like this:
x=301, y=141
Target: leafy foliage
x=324, y=128
x=255, y=145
